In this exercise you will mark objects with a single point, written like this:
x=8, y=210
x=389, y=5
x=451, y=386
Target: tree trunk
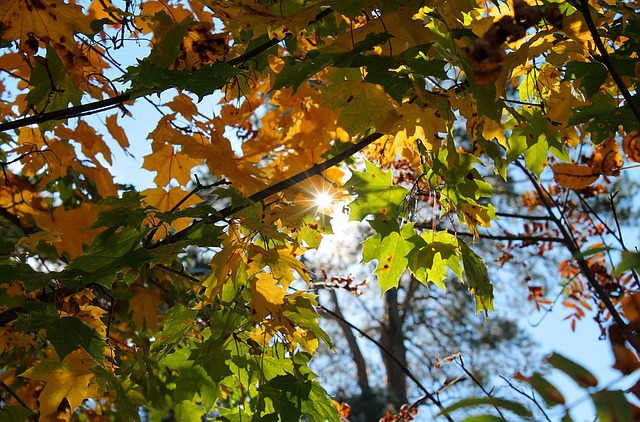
x=392, y=338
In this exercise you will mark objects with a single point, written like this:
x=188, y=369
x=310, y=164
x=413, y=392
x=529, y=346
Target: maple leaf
x=266, y=295
x=53, y=22
x=392, y=253
x=376, y=195
x=116, y=131
x=72, y=228
x=170, y=164
x=70, y=378
x=607, y=159
x=145, y=307
x=573, y=176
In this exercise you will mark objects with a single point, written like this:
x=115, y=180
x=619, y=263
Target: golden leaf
x=116, y=131
x=50, y=21
x=70, y=379
x=170, y=165
x=145, y=307
x=631, y=146
x=607, y=159
x=92, y=143
x=72, y=226
x=573, y=176
x=266, y=295
x=201, y=47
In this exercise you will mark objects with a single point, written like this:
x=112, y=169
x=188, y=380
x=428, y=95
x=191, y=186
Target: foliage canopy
x=95, y=300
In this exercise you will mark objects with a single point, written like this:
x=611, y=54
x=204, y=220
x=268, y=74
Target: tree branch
x=317, y=169
x=404, y=369
x=606, y=59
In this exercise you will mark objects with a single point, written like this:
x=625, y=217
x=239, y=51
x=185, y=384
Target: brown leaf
x=631, y=146
x=607, y=159
x=573, y=176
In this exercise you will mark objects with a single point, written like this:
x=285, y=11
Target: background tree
x=96, y=302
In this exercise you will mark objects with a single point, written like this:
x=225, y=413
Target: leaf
x=148, y=78
x=14, y=413
x=67, y=333
x=70, y=378
x=361, y=106
x=607, y=159
x=631, y=145
x=145, y=307
x=477, y=278
x=116, y=131
x=53, y=88
x=573, y=176
x=391, y=252
x=266, y=295
x=73, y=227
x=578, y=373
x=170, y=165
x=376, y=195
x=53, y=22
x=551, y=395
x=509, y=405
x=612, y=406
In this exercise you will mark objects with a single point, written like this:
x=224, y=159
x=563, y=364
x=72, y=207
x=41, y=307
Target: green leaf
x=591, y=74
x=578, y=373
x=376, y=195
x=629, y=261
x=178, y=321
x=483, y=418
x=439, y=252
x=14, y=413
x=53, y=88
x=296, y=72
x=168, y=34
x=612, y=406
x=473, y=402
x=302, y=313
x=416, y=58
x=551, y=395
x=392, y=252
x=361, y=106
x=148, y=78
x=477, y=278
x=67, y=333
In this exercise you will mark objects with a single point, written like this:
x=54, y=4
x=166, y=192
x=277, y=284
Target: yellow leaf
x=184, y=105
x=475, y=215
x=51, y=21
x=573, y=176
x=116, y=131
x=266, y=295
x=607, y=159
x=70, y=379
x=165, y=200
x=92, y=143
x=145, y=307
x=72, y=227
x=170, y=165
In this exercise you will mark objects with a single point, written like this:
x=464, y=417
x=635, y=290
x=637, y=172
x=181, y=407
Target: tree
x=97, y=303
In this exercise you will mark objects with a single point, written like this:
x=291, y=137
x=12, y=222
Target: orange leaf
x=631, y=146
x=116, y=131
x=50, y=21
x=170, y=165
x=573, y=176
x=607, y=159
x=72, y=226
x=71, y=379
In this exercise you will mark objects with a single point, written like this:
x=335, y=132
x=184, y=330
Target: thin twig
x=386, y=351
x=606, y=59
x=478, y=383
x=317, y=169
x=530, y=397
x=14, y=395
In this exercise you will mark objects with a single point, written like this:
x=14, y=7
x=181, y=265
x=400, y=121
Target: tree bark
x=392, y=337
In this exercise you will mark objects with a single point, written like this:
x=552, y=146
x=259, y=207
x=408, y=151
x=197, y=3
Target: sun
x=323, y=200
